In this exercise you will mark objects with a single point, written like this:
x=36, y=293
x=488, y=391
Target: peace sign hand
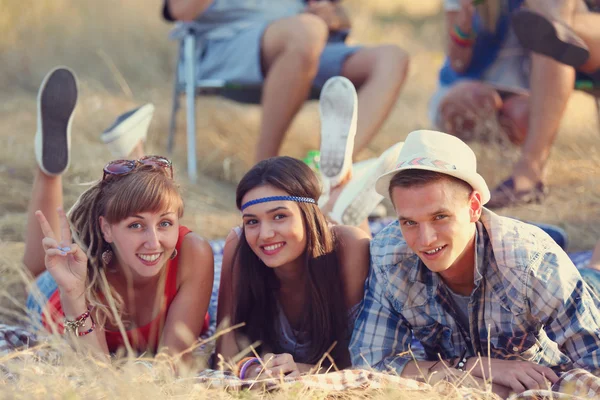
x=65, y=261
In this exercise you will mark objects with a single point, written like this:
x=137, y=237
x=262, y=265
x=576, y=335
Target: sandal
x=505, y=195
x=549, y=37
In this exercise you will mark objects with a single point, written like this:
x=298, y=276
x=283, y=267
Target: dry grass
x=123, y=58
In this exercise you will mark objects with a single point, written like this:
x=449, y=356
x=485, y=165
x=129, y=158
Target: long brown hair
x=326, y=319
x=146, y=189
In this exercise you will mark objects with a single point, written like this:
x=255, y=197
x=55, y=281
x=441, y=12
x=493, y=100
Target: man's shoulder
x=517, y=245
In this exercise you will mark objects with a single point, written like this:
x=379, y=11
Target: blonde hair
x=146, y=189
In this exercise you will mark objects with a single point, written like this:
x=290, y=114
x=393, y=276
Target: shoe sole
x=540, y=35
x=57, y=103
x=338, y=108
x=367, y=198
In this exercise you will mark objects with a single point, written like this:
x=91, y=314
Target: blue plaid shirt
x=529, y=300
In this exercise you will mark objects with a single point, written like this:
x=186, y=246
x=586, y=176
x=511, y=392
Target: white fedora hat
x=439, y=152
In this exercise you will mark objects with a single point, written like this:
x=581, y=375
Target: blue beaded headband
x=278, y=198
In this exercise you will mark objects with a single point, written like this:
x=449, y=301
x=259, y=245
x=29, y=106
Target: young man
x=289, y=46
x=466, y=282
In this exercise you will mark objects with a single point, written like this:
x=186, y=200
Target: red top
x=144, y=337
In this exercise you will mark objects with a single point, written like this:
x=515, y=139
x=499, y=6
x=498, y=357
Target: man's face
x=437, y=222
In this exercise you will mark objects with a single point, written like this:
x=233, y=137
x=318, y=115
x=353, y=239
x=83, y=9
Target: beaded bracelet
x=74, y=325
x=88, y=331
x=247, y=365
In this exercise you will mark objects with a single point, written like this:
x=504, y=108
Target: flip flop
x=549, y=37
x=505, y=195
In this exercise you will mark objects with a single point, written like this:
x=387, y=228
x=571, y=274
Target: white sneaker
x=127, y=130
x=359, y=198
x=338, y=109
x=56, y=101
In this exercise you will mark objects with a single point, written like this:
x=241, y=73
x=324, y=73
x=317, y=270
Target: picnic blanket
x=573, y=385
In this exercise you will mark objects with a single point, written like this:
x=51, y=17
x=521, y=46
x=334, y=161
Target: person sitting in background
x=489, y=79
x=119, y=270
x=468, y=284
x=289, y=46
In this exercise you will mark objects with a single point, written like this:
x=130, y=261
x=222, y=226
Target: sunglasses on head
x=122, y=167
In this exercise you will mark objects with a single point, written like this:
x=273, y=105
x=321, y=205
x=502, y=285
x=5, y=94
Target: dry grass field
x=123, y=58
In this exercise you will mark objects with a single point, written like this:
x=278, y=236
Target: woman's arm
x=461, y=21
x=185, y=316
x=67, y=263
x=186, y=10
x=226, y=343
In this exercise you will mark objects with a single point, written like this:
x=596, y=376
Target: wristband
x=462, y=361
x=247, y=365
x=461, y=38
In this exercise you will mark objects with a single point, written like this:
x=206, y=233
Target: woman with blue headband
x=294, y=281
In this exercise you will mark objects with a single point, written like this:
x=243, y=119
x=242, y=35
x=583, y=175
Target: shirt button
x=515, y=349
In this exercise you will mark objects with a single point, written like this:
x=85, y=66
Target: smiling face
x=274, y=230
x=437, y=221
x=143, y=243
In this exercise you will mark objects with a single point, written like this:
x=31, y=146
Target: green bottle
x=312, y=159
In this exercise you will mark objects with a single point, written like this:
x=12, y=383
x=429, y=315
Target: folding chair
x=186, y=82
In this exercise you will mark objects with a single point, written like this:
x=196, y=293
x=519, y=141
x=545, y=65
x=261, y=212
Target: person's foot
x=338, y=109
x=56, y=101
x=359, y=198
x=507, y=195
x=128, y=131
x=550, y=37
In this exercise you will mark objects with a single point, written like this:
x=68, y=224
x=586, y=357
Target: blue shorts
x=238, y=59
x=46, y=285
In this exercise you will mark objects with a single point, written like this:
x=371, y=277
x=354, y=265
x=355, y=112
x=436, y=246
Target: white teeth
x=149, y=257
x=434, y=250
x=273, y=247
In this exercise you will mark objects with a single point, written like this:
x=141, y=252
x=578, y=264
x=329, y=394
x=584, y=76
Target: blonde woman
x=119, y=268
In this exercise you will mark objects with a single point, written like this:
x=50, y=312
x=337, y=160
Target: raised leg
x=46, y=196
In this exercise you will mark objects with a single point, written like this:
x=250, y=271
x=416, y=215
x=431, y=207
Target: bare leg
x=379, y=74
x=551, y=86
x=587, y=26
x=46, y=196
x=514, y=118
x=291, y=48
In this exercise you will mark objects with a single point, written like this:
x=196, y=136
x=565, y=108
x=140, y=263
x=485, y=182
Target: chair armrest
x=182, y=29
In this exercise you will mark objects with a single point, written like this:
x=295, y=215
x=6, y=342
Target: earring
x=107, y=256
x=173, y=255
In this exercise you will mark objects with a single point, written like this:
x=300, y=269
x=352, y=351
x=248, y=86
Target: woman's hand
x=65, y=261
x=274, y=366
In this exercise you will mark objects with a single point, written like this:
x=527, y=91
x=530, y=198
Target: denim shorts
x=238, y=59
x=46, y=285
